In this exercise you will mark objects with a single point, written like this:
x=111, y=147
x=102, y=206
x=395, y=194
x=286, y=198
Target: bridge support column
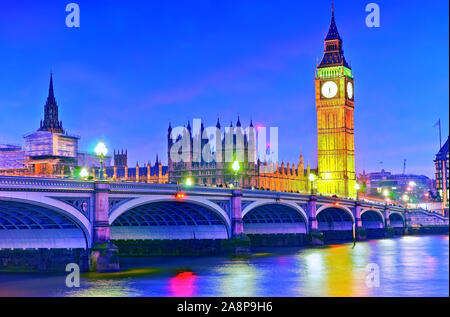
x=388, y=231
x=387, y=222
x=104, y=254
x=240, y=243
x=358, y=221
x=311, y=209
x=317, y=237
x=360, y=234
x=237, y=224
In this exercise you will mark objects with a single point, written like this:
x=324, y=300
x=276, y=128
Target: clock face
x=329, y=89
x=350, y=90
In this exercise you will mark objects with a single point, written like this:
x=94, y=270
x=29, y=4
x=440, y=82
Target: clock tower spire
x=335, y=129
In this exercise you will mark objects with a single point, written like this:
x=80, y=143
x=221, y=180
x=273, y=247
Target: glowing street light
x=312, y=178
x=84, y=173
x=188, y=181
x=236, y=167
x=101, y=152
x=405, y=198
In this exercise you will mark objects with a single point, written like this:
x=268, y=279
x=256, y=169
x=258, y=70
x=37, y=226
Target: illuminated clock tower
x=335, y=131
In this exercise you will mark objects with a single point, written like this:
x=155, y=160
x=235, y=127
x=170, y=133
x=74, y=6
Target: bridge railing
x=16, y=182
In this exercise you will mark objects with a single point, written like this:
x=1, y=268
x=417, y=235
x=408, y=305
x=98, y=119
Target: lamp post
x=357, y=188
x=312, y=178
x=236, y=167
x=101, y=152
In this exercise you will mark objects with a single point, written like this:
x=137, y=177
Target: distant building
x=12, y=160
x=120, y=158
x=400, y=187
x=442, y=183
x=157, y=173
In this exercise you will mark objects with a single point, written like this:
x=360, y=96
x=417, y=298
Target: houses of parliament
x=51, y=151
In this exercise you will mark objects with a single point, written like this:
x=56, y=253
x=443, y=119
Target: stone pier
x=104, y=254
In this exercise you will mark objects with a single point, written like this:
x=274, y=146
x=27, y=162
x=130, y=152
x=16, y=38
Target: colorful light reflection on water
x=409, y=266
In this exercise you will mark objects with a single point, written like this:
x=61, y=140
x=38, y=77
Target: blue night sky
x=133, y=66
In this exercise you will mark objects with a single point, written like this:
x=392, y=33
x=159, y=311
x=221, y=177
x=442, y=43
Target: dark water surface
x=408, y=266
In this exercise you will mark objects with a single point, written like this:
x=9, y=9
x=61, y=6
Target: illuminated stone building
x=335, y=129
x=218, y=171
x=50, y=151
x=284, y=178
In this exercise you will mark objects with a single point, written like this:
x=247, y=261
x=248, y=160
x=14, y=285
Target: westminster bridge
x=38, y=213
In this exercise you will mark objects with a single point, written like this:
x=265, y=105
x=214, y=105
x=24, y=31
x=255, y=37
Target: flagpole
x=440, y=135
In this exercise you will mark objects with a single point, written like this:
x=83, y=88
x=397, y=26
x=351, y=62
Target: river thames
x=408, y=266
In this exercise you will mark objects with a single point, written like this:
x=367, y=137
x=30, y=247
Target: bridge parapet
x=43, y=184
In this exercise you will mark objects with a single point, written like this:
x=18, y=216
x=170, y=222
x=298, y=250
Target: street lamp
x=188, y=181
x=357, y=188
x=312, y=178
x=101, y=152
x=236, y=167
x=84, y=173
x=405, y=198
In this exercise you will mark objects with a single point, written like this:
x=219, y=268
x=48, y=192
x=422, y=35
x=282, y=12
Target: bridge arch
x=334, y=218
x=372, y=219
x=272, y=217
x=168, y=218
x=44, y=223
x=396, y=220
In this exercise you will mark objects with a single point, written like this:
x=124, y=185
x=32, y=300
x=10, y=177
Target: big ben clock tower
x=335, y=131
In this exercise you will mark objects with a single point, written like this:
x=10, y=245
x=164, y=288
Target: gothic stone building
x=217, y=171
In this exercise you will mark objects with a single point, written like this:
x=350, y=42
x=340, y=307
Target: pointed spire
x=251, y=123
x=238, y=123
x=51, y=122
x=334, y=53
x=50, y=88
x=333, y=33
x=157, y=160
x=218, y=123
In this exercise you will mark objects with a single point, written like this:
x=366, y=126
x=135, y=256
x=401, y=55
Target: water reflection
x=237, y=278
x=409, y=266
x=182, y=285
